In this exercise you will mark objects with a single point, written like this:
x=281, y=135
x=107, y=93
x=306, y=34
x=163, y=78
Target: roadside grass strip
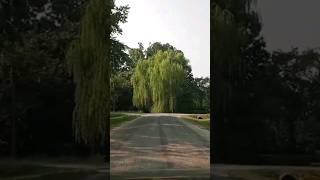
x=118, y=119
x=203, y=123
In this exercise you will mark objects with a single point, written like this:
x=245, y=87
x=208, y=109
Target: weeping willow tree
x=228, y=66
x=157, y=81
x=228, y=40
x=166, y=77
x=88, y=60
x=141, y=86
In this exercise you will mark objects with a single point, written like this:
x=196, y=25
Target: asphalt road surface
x=159, y=146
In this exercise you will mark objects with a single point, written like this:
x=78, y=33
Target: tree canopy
x=157, y=81
x=166, y=77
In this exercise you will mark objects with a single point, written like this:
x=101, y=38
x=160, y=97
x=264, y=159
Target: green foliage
x=154, y=48
x=119, y=15
x=123, y=98
x=38, y=73
x=141, y=85
x=157, y=81
x=163, y=82
x=120, y=60
x=227, y=62
x=235, y=29
x=136, y=54
x=121, y=90
x=157, y=46
x=202, y=98
x=273, y=97
x=166, y=77
x=89, y=63
x=121, y=65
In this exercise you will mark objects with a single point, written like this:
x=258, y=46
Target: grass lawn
x=203, y=123
x=114, y=115
x=116, y=119
x=31, y=172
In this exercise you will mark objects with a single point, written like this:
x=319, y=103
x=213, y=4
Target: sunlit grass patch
x=202, y=120
x=113, y=115
x=117, y=119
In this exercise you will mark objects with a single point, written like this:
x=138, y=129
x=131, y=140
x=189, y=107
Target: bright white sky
x=185, y=24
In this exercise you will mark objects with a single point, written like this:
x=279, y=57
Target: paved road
x=178, y=115
x=159, y=146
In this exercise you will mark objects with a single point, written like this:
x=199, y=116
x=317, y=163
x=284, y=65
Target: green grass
x=203, y=123
x=31, y=172
x=117, y=119
x=113, y=115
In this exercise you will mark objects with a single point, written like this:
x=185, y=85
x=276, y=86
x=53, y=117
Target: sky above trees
x=290, y=23
x=183, y=24
x=186, y=25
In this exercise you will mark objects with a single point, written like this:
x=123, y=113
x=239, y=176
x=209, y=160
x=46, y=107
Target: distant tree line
x=36, y=92
x=263, y=102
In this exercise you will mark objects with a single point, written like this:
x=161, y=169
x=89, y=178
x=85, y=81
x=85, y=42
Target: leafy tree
x=166, y=77
x=154, y=48
x=89, y=60
x=157, y=81
x=298, y=72
x=24, y=28
x=203, y=94
x=136, y=54
x=121, y=90
x=35, y=36
x=181, y=100
x=120, y=60
x=37, y=67
x=92, y=58
x=255, y=93
x=157, y=46
x=237, y=53
x=226, y=68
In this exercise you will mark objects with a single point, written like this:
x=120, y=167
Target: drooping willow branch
x=89, y=63
x=157, y=81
